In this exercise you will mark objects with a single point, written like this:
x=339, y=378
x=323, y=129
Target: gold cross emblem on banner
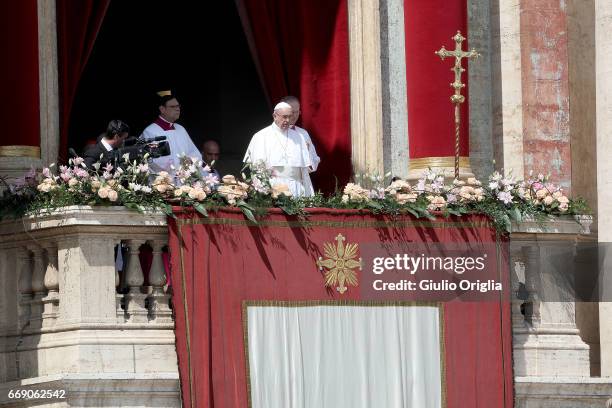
x=340, y=264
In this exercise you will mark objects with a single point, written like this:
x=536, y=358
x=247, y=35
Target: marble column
x=394, y=99
x=603, y=58
x=506, y=91
x=366, y=93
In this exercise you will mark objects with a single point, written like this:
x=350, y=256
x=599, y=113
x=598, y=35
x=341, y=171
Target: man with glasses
x=178, y=139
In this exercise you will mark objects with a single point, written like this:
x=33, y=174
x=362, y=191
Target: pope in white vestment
x=289, y=152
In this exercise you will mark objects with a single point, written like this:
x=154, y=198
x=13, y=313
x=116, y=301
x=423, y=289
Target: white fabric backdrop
x=344, y=356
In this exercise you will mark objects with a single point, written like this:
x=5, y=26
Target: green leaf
x=454, y=212
x=200, y=208
x=134, y=206
x=374, y=204
x=167, y=209
x=247, y=211
x=518, y=217
x=411, y=211
x=507, y=223
x=425, y=213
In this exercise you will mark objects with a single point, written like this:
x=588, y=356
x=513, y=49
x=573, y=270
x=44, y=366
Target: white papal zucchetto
x=282, y=105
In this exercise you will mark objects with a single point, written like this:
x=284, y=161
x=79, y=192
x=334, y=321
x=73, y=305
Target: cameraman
x=116, y=133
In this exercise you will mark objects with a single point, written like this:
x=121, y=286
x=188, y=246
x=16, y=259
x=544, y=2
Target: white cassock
x=180, y=143
x=290, y=153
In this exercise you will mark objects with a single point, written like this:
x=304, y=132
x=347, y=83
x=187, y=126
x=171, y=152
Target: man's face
x=282, y=118
x=210, y=152
x=295, y=109
x=171, y=111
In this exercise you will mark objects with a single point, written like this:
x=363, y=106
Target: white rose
x=229, y=179
x=541, y=193
x=44, y=187
x=113, y=195
x=563, y=200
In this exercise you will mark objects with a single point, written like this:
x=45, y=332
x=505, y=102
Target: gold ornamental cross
x=457, y=98
x=341, y=263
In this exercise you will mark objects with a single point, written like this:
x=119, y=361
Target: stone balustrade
x=68, y=317
x=554, y=327
x=547, y=341
x=70, y=321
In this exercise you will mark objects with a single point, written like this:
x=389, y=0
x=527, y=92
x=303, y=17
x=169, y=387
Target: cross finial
x=457, y=85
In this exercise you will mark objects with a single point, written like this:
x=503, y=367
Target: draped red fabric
x=431, y=118
x=78, y=24
x=301, y=48
x=19, y=74
x=221, y=261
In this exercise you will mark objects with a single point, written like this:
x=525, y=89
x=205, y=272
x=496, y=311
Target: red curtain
x=300, y=48
x=221, y=261
x=431, y=119
x=20, y=111
x=78, y=24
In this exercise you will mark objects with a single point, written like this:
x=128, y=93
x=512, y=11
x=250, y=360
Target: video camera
x=136, y=147
x=139, y=146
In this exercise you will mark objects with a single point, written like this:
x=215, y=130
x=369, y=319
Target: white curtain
x=344, y=356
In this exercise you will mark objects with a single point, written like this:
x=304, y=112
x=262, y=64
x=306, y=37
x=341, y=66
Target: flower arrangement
x=131, y=183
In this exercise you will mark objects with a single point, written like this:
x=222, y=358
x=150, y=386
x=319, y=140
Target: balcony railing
x=70, y=321
x=67, y=315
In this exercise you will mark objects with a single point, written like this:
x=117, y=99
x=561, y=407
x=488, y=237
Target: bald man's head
x=295, y=107
x=210, y=151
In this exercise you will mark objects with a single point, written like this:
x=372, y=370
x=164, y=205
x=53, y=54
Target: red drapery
x=19, y=74
x=301, y=48
x=78, y=24
x=221, y=261
x=431, y=121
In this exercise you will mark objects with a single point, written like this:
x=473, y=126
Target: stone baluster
x=25, y=286
x=531, y=255
x=119, y=297
x=519, y=294
x=159, y=309
x=86, y=279
x=51, y=301
x=38, y=286
x=135, y=299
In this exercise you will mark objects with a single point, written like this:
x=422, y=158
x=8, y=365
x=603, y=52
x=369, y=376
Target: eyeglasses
x=173, y=106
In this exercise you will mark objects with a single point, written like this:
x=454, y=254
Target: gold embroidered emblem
x=340, y=263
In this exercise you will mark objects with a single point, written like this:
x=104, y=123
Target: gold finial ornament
x=340, y=264
x=457, y=99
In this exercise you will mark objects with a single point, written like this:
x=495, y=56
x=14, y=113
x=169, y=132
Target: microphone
x=156, y=139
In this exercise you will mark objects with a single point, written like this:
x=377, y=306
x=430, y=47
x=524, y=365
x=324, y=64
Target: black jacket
x=92, y=154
